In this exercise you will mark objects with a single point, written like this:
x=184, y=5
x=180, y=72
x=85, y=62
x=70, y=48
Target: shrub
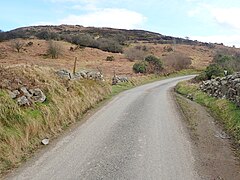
x=167, y=49
x=17, y=45
x=228, y=59
x=140, y=67
x=177, y=61
x=135, y=53
x=214, y=70
x=48, y=35
x=109, y=45
x=2, y=36
x=201, y=77
x=155, y=65
x=30, y=43
x=54, y=50
x=85, y=40
x=110, y=58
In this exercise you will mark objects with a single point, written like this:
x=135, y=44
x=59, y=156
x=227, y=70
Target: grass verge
x=23, y=128
x=223, y=110
x=137, y=81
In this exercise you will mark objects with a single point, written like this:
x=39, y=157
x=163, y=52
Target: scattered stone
x=23, y=101
x=25, y=92
x=45, y=141
x=13, y=94
x=118, y=79
x=222, y=135
x=38, y=95
x=190, y=96
x=64, y=74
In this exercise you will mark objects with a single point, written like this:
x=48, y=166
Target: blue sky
x=205, y=20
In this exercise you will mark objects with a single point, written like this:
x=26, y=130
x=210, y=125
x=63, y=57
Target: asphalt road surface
x=138, y=135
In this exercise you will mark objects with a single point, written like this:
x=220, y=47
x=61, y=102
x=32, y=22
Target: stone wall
x=226, y=87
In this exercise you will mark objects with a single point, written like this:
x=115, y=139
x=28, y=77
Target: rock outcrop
x=226, y=87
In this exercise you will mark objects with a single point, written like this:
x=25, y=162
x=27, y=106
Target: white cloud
x=42, y=23
x=75, y=1
x=194, y=12
x=227, y=16
x=228, y=40
x=115, y=18
x=87, y=7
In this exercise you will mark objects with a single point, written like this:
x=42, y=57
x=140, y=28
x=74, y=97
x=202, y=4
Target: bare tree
x=54, y=50
x=135, y=53
x=17, y=45
x=177, y=61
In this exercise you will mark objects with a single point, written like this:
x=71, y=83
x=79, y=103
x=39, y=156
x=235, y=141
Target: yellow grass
x=23, y=128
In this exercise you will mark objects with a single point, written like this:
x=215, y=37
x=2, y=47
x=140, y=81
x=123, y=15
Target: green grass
x=116, y=89
x=223, y=110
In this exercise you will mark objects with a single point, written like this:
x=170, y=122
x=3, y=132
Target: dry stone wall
x=226, y=87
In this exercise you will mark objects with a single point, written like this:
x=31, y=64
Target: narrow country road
x=138, y=135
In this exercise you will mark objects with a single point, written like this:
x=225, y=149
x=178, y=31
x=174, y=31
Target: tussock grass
x=23, y=128
x=225, y=111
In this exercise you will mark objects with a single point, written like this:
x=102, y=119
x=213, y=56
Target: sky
x=203, y=20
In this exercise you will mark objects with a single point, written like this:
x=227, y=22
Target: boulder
x=45, y=141
x=38, y=95
x=118, y=79
x=25, y=92
x=64, y=74
x=23, y=101
x=14, y=94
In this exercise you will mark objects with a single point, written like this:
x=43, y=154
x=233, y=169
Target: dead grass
x=91, y=58
x=22, y=129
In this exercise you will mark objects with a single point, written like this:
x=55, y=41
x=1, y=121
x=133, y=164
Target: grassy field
x=223, y=110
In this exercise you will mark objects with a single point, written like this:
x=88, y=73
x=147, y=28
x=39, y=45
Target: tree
x=135, y=53
x=17, y=45
x=177, y=61
x=54, y=50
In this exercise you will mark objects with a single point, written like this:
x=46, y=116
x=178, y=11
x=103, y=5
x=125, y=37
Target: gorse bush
x=151, y=64
x=109, y=45
x=110, y=58
x=140, y=67
x=86, y=40
x=228, y=60
x=46, y=35
x=214, y=70
x=155, y=65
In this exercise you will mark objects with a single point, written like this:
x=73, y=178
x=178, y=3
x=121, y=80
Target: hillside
x=120, y=34
x=92, y=46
